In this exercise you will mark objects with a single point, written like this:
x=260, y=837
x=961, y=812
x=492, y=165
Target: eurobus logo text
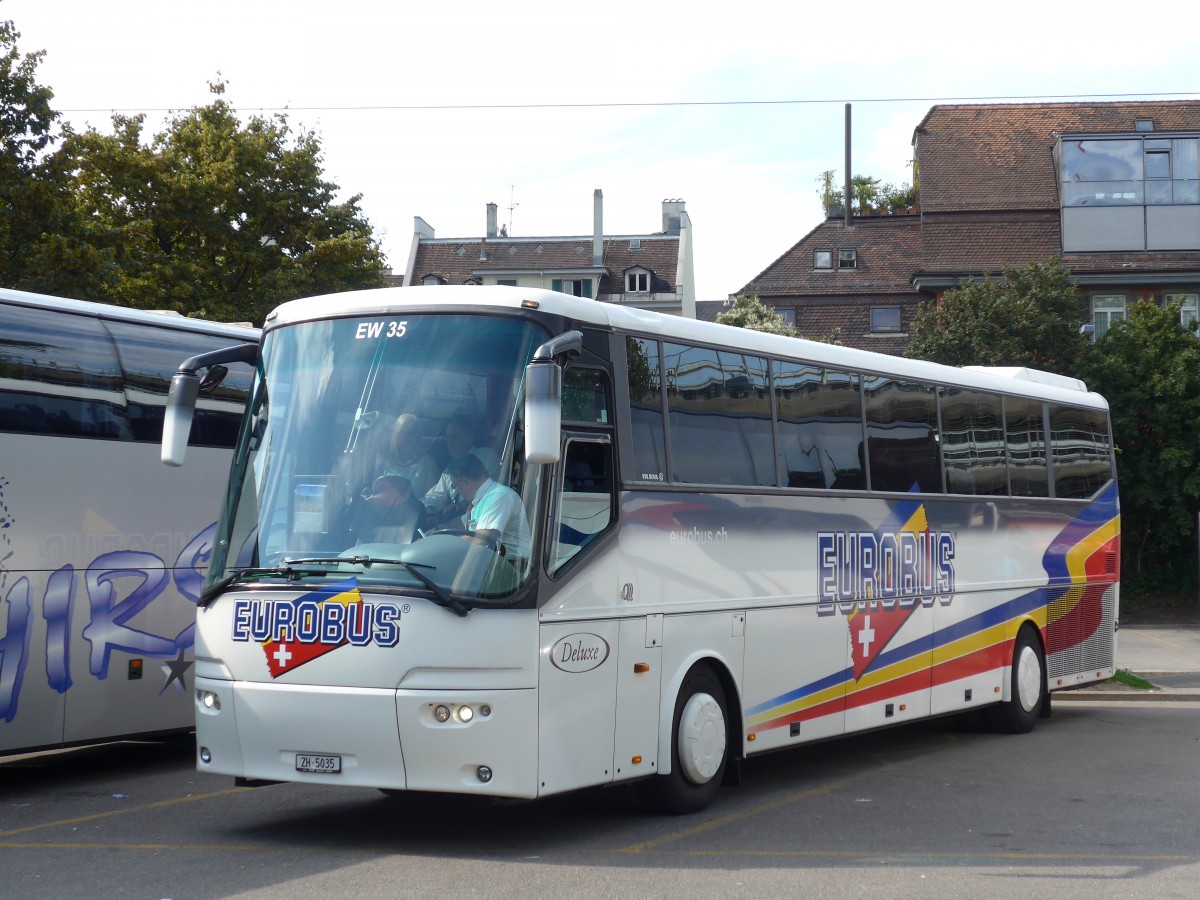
x=889, y=568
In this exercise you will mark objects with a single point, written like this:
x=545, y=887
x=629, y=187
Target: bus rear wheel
x=1027, y=689
x=699, y=748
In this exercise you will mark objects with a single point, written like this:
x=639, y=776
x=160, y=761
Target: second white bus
x=102, y=549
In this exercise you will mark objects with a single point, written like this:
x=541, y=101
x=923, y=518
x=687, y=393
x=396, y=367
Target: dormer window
x=847, y=259
x=637, y=281
x=822, y=259
x=431, y=279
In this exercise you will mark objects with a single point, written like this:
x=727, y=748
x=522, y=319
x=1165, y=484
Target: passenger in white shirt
x=442, y=502
x=495, y=514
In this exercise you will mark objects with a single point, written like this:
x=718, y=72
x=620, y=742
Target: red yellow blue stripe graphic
x=1081, y=564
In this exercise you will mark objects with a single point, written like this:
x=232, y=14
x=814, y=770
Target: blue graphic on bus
x=113, y=603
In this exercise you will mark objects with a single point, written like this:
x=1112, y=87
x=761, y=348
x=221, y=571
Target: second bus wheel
x=699, y=748
x=1027, y=688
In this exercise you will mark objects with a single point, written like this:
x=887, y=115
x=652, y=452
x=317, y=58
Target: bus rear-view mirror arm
x=186, y=386
x=543, y=396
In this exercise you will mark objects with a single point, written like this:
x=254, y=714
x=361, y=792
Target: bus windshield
x=386, y=449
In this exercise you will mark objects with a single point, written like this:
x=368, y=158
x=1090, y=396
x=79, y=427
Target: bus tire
x=699, y=748
x=1020, y=712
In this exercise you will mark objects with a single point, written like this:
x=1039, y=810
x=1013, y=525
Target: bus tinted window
x=585, y=397
x=150, y=356
x=1026, y=448
x=645, y=409
x=720, y=417
x=819, y=415
x=902, y=435
x=1079, y=443
x=973, y=442
x=59, y=375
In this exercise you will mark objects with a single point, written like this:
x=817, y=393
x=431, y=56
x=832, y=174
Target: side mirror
x=177, y=424
x=543, y=397
x=543, y=411
x=186, y=386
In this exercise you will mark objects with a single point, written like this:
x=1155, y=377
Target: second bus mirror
x=543, y=411
x=177, y=424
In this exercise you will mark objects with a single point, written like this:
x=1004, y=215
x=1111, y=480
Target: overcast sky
x=735, y=108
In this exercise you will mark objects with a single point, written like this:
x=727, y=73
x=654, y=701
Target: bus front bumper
x=461, y=741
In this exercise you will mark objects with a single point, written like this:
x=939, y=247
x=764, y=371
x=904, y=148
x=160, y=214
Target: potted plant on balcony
x=831, y=194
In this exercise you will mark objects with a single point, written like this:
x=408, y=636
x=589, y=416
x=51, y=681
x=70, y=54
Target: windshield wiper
x=440, y=595
x=286, y=571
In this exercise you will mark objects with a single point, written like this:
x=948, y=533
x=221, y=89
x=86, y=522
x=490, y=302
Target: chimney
x=491, y=220
x=598, y=227
x=672, y=214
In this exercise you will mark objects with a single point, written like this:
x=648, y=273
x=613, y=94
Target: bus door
x=583, y=642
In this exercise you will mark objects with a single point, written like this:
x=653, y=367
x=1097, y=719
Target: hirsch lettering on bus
x=886, y=568
x=118, y=586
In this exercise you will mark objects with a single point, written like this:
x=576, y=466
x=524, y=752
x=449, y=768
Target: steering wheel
x=490, y=542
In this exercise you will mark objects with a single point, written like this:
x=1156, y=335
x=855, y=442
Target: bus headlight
x=441, y=712
x=208, y=700
x=464, y=714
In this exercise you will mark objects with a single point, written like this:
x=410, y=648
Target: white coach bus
x=726, y=543
x=102, y=549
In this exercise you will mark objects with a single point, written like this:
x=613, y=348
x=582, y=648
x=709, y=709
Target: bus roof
x=440, y=298
x=165, y=319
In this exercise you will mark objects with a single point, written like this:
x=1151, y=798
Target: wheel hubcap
x=1029, y=679
x=701, y=738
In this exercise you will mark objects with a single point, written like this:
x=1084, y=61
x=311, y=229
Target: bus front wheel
x=1027, y=689
x=699, y=748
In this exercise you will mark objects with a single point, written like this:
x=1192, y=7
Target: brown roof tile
x=454, y=261
x=889, y=251
x=1001, y=155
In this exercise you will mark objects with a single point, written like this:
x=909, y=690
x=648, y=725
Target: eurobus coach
x=102, y=549
x=738, y=542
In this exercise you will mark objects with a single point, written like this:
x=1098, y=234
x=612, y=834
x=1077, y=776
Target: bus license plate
x=323, y=765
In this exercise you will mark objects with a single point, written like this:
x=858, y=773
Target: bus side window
x=585, y=500
x=150, y=357
x=62, y=376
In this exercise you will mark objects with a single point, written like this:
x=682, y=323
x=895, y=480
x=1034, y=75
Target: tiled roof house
x=648, y=271
x=1112, y=189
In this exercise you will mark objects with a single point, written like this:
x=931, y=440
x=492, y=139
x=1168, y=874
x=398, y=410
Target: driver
x=495, y=513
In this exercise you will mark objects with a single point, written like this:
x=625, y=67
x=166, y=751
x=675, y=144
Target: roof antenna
x=511, y=206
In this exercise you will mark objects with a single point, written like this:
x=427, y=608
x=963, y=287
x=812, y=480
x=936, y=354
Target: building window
x=510, y=282
x=885, y=320
x=579, y=287
x=1106, y=310
x=1129, y=171
x=1188, y=309
x=1143, y=124
x=637, y=282
x=787, y=313
x=822, y=259
x=431, y=279
x=847, y=259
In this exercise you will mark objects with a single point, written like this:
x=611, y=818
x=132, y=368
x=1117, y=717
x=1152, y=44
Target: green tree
x=1148, y=368
x=32, y=187
x=748, y=311
x=210, y=217
x=1028, y=317
x=831, y=193
x=864, y=193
